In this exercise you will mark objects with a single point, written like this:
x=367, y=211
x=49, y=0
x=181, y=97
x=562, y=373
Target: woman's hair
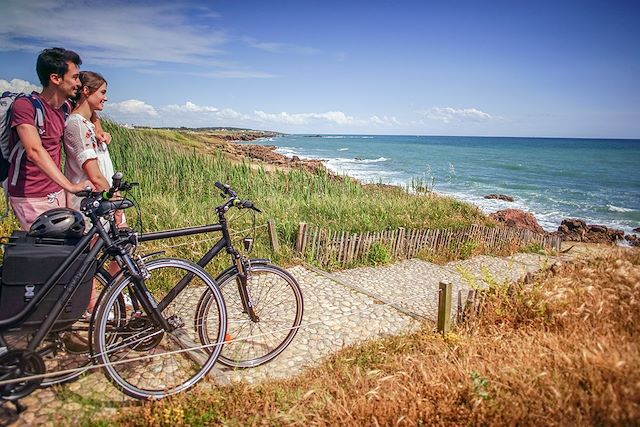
x=90, y=80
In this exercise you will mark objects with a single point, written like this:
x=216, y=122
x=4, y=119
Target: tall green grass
x=177, y=177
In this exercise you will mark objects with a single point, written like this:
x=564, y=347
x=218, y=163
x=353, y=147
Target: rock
x=636, y=230
x=632, y=239
x=517, y=219
x=295, y=159
x=576, y=230
x=499, y=197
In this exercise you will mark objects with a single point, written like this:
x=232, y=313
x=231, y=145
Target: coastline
x=571, y=227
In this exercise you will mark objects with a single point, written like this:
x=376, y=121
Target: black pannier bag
x=28, y=263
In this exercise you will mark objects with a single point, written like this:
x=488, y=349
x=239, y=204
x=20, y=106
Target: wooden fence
x=339, y=248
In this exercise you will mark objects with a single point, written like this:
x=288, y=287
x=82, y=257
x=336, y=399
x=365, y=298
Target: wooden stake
x=301, y=227
x=273, y=235
x=444, y=307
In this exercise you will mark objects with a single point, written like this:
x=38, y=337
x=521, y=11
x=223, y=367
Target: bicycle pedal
x=20, y=408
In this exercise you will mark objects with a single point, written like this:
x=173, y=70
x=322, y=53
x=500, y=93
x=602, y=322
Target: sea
x=597, y=180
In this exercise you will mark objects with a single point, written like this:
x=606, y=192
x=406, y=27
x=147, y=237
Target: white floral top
x=80, y=145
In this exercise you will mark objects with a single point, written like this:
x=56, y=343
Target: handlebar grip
x=221, y=186
x=117, y=179
x=84, y=193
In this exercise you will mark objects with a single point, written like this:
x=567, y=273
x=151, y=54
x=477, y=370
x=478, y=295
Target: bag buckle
x=29, y=292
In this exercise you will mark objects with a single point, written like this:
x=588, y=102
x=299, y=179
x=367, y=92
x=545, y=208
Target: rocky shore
x=233, y=144
x=571, y=229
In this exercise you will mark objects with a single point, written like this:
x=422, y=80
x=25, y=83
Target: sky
x=497, y=68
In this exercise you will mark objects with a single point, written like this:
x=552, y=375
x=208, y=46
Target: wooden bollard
x=444, y=307
x=273, y=235
x=300, y=239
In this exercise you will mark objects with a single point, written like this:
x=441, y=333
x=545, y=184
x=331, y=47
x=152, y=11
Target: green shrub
x=533, y=248
x=378, y=254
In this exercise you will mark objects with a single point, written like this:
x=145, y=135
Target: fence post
x=400, y=243
x=300, y=238
x=444, y=307
x=273, y=235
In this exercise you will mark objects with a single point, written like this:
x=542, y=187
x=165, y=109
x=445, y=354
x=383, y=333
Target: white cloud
x=133, y=107
x=190, y=107
x=449, y=114
x=229, y=114
x=276, y=47
x=383, y=121
x=337, y=117
x=18, y=85
x=116, y=30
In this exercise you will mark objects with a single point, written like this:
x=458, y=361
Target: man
x=39, y=184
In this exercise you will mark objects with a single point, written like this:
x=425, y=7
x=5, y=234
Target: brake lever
x=248, y=204
x=126, y=186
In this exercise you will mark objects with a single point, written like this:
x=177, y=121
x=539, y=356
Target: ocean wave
x=378, y=160
x=354, y=161
x=613, y=208
x=343, y=149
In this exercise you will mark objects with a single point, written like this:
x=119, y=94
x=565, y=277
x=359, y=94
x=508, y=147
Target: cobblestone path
x=340, y=309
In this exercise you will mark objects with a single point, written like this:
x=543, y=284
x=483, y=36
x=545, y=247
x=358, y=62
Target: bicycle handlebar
x=233, y=198
x=226, y=189
x=117, y=184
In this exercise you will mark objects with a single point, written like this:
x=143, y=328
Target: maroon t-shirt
x=32, y=182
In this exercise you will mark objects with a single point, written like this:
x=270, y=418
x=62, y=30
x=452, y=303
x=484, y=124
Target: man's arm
x=35, y=152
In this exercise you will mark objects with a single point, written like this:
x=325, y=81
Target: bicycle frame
x=70, y=288
x=223, y=243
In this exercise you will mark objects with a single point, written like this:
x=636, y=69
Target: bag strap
x=18, y=149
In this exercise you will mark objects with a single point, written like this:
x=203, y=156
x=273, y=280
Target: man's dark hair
x=54, y=61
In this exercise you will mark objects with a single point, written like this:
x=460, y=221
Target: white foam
x=378, y=160
x=343, y=149
x=619, y=209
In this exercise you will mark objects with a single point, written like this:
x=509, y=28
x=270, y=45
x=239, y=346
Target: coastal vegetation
x=561, y=349
x=177, y=169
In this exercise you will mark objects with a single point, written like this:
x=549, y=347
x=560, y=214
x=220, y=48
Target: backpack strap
x=18, y=149
x=67, y=107
x=39, y=108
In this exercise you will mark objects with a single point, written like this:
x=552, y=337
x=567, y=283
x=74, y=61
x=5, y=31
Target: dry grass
x=561, y=350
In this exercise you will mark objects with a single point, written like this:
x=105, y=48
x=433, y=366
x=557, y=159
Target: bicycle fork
x=149, y=304
x=243, y=289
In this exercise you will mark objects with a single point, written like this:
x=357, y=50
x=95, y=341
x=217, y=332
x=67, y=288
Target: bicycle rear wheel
x=277, y=301
x=57, y=357
x=145, y=361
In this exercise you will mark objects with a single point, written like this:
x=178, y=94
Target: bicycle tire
x=136, y=355
x=278, y=302
x=59, y=358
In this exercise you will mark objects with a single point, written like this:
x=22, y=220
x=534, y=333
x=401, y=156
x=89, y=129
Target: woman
x=86, y=157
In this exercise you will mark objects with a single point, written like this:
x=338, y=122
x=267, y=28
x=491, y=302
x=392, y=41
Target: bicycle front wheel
x=277, y=302
x=139, y=356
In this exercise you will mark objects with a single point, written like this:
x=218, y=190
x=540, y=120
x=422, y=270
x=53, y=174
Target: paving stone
x=341, y=309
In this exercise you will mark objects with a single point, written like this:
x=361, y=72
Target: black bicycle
x=264, y=302
x=144, y=330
